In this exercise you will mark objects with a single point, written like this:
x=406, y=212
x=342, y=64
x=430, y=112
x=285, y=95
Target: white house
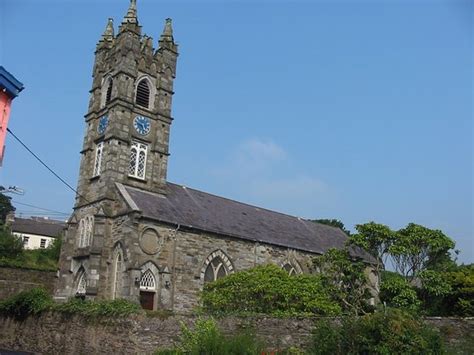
x=37, y=232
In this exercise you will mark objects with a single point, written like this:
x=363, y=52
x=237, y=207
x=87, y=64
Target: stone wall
x=56, y=334
x=13, y=280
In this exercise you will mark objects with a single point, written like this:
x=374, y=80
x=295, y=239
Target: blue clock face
x=104, y=120
x=142, y=125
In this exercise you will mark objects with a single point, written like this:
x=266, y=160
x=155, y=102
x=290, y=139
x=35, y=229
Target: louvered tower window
x=143, y=93
x=108, y=95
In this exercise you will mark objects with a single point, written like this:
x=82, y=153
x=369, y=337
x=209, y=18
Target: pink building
x=10, y=87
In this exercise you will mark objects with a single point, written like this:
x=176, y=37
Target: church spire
x=131, y=16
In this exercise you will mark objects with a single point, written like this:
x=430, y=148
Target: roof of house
x=200, y=210
x=38, y=226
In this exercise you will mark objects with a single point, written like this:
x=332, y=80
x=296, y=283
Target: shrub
x=268, y=290
x=26, y=303
x=101, y=308
x=396, y=332
x=206, y=338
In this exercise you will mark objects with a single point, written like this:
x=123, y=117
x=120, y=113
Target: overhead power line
x=42, y=162
x=39, y=208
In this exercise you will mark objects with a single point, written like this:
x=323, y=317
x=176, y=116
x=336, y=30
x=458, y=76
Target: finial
x=109, y=29
x=168, y=30
x=131, y=16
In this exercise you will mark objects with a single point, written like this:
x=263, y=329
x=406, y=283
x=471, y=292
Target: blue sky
x=356, y=110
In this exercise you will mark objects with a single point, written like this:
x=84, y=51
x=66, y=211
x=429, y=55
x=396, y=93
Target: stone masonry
x=134, y=235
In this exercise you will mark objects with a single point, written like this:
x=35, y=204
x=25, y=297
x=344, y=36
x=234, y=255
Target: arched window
x=81, y=283
x=215, y=270
x=289, y=269
x=90, y=230
x=217, y=265
x=142, y=97
x=86, y=230
x=81, y=233
x=108, y=94
x=147, y=281
x=98, y=158
x=138, y=152
x=117, y=274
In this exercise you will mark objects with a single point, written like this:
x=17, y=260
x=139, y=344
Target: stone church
x=133, y=234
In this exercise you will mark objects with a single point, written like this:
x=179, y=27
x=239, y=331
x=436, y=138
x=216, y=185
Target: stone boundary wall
x=60, y=334
x=14, y=280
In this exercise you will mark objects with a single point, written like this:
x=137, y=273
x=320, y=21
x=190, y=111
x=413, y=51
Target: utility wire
x=42, y=162
x=56, y=175
x=39, y=208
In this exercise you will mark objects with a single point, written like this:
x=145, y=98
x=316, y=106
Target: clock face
x=142, y=125
x=104, y=120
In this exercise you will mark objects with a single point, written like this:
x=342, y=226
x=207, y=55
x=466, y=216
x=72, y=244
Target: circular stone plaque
x=150, y=241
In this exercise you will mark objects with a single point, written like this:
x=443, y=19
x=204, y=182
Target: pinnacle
x=109, y=29
x=131, y=16
x=167, y=31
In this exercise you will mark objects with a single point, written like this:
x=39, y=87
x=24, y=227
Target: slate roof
x=199, y=210
x=38, y=226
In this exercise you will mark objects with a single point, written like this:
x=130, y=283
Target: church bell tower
x=129, y=116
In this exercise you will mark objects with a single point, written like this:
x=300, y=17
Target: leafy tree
x=5, y=207
x=413, y=247
x=460, y=301
x=396, y=291
x=334, y=223
x=10, y=245
x=376, y=239
x=345, y=278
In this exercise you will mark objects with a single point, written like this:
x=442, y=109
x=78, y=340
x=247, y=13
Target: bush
x=102, y=308
x=26, y=303
x=268, y=290
x=393, y=333
x=206, y=338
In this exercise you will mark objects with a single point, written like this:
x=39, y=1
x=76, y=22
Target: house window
x=138, y=152
x=25, y=241
x=43, y=243
x=98, y=158
x=143, y=93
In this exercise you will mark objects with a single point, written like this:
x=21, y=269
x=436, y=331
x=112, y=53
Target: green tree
x=376, y=239
x=334, y=223
x=414, y=246
x=345, y=279
x=5, y=207
x=10, y=246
